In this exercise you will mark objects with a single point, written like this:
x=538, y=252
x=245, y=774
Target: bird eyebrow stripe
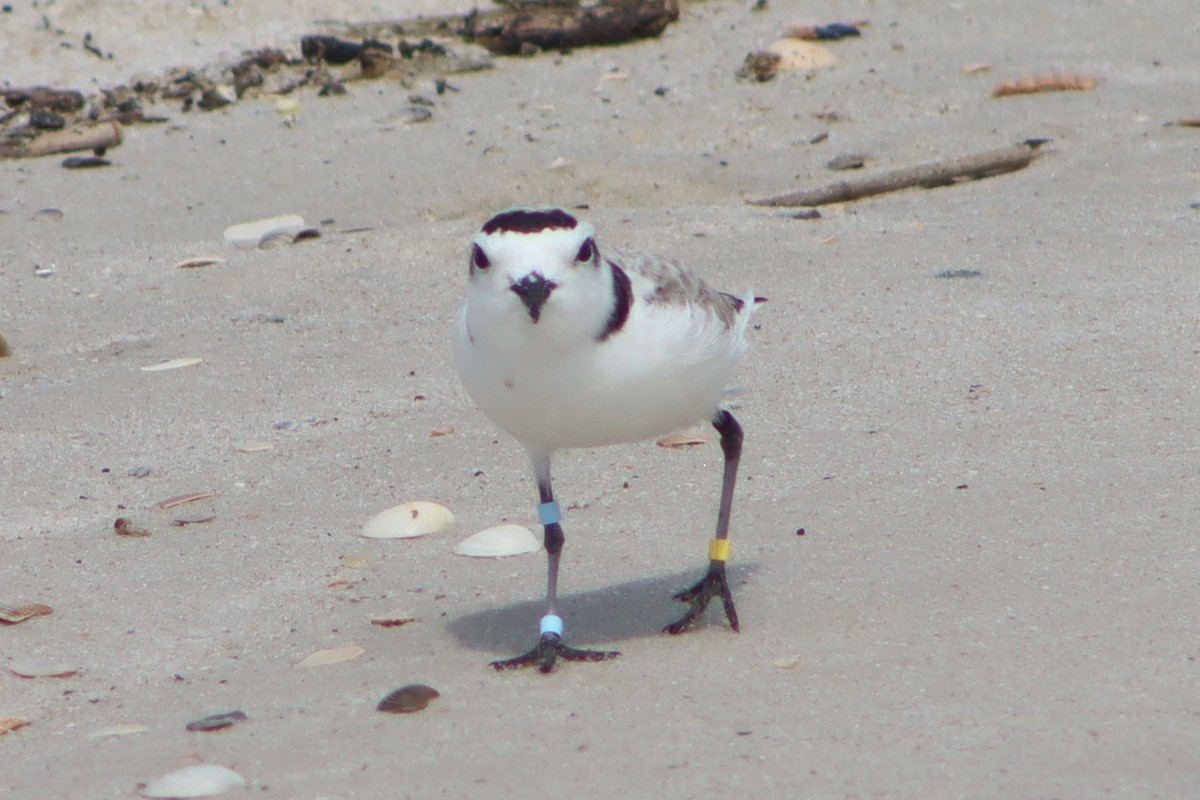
x=623, y=301
x=527, y=220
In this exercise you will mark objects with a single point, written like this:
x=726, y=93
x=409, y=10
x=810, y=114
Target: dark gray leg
x=550, y=643
x=714, y=583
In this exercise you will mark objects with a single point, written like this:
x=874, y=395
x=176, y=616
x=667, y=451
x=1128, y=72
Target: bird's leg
x=550, y=642
x=714, y=582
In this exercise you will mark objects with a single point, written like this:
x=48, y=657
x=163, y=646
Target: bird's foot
x=549, y=648
x=713, y=584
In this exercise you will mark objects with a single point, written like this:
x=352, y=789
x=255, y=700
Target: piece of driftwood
x=531, y=28
x=98, y=138
x=937, y=173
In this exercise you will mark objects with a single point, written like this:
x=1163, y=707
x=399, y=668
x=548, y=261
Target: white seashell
x=287, y=106
x=255, y=447
x=407, y=520
x=40, y=668
x=254, y=234
x=498, y=542
x=174, y=363
x=199, y=780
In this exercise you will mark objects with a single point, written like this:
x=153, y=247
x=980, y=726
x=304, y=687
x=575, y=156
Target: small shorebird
x=563, y=345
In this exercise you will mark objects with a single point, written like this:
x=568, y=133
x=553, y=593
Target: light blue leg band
x=549, y=513
x=552, y=623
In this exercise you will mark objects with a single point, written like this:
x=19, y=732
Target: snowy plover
x=563, y=345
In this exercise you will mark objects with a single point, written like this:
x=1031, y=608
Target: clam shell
x=199, y=261
x=407, y=520
x=250, y=235
x=199, y=780
x=11, y=615
x=40, y=668
x=407, y=699
x=498, y=542
x=391, y=619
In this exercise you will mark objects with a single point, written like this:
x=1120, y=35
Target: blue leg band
x=552, y=623
x=549, y=513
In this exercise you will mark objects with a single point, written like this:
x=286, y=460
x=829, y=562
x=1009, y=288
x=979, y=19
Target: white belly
x=662, y=371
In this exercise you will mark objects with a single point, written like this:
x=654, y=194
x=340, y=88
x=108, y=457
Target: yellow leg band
x=718, y=550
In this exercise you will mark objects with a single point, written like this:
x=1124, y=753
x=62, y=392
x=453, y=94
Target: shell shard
x=407, y=520
x=498, y=542
x=11, y=615
x=335, y=656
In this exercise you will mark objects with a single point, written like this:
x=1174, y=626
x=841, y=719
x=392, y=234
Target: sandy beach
x=978, y=403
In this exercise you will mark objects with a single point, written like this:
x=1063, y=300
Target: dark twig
x=938, y=173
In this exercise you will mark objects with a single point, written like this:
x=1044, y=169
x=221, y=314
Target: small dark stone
x=329, y=49
x=85, y=162
x=846, y=161
x=46, y=120
x=215, y=722
x=959, y=273
x=836, y=30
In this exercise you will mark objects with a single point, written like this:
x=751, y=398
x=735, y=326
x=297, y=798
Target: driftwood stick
x=555, y=28
x=937, y=173
x=80, y=137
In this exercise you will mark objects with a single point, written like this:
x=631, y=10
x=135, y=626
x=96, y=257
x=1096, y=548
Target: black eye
x=587, y=251
x=479, y=259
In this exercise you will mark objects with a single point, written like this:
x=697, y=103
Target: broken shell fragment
x=498, y=542
x=334, y=656
x=391, y=619
x=118, y=730
x=406, y=520
x=407, y=699
x=124, y=527
x=10, y=724
x=250, y=235
x=11, y=615
x=198, y=780
x=199, y=261
x=683, y=439
x=216, y=722
x=40, y=668
x=173, y=363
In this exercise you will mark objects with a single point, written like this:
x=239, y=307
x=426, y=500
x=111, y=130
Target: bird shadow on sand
x=603, y=616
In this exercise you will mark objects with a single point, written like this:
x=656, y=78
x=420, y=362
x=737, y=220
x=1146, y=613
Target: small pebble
x=216, y=722
x=85, y=162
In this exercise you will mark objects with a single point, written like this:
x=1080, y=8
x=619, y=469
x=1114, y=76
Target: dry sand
x=998, y=476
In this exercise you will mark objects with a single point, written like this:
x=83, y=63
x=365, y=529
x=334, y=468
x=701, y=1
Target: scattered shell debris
x=391, y=619
x=684, y=439
x=216, y=722
x=173, y=363
x=124, y=527
x=181, y=522
x=407, y=699
x=269, y=232
x=975, y=67
x=118, y=730
x=498, y=542
x=40, y=668
x=416, y=518
x=181, y=499
x=198, y=780
x=335, y=656
x=199, y=261
x=5, y=349
x=10, y=724
x=19, y=612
